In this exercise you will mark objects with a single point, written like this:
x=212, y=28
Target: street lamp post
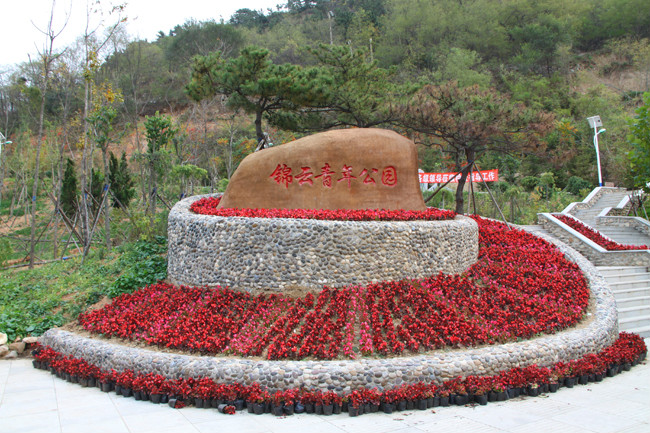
x=596, y=123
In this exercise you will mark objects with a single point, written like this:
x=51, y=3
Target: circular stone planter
x=596, y=332
x=282, y=253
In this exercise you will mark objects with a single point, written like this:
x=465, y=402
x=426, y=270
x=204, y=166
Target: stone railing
x=590, y=249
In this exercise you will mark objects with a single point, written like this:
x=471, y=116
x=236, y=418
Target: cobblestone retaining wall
x=599, y=330
x=282, y=253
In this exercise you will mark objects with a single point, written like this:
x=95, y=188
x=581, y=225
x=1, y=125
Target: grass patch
x=32, y=301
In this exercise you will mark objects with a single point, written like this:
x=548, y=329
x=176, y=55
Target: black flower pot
x=199, y=403
x=288, y=409
x=461, y=399
x=299, y=408
x=591, y=378
x=401, y=405
x=258, y=408
x=345, y=406
x=569, y=382
x=215, y=402
x=444, y=401
x=318, y=409
x=410, y=404
x=598, y=377
x=627, y=366
x=309, y=408
x=106, y=386
x=137, y=395
x=328, y=409
x=126, y=392
x=386, y=407
x=481, y=399
x=336, y=409
x=492, y=396
x=436, y=401
x=353, y=411
x=429, y=402
x=277, y=410
x=249, y=407
x=583, y=379
x=155, y=398
x=239, y=404
x=164, y=399
x=502, y=396
x=532, y=391
x=422, y=404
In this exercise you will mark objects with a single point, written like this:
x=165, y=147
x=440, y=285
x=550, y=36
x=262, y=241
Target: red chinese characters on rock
x=283, y=175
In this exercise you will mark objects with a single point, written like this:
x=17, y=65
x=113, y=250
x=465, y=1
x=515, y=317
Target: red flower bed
x=520, y=286
x=628, y=350
x=595, y=236
x=208, y=206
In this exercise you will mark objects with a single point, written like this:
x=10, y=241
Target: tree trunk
x=258, y=127
x=107, y=207
x=460, y=201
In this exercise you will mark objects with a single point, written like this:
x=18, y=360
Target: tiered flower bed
x=521, y=286
x=627, y=351
x=208, y=206
x=595, y=236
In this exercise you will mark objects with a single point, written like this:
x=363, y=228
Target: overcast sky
x=19, y=37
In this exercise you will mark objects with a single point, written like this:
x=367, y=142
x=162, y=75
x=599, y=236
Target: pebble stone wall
x=599, y=330
x=282, y=253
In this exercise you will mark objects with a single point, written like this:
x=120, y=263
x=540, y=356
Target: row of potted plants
x=208, y=206
x=520, y=286
x=595, y=235
x=628, y=350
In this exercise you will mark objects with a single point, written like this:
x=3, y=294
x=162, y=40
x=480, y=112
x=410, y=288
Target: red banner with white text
x=488, y=176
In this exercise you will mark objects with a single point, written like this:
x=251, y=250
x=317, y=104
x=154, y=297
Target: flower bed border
x=627, y=351
x=595, y=333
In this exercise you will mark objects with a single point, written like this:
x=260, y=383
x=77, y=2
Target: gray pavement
x=35, y=401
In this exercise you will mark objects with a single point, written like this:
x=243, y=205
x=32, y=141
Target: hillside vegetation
x=106, y=135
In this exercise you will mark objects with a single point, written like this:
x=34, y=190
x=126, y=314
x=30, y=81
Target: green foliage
x=144, y=264
x=122, y=185
x=223, y=184
x=639, y=139
x=529, y=183
x=254, y=84
x=97, y=186
x=577, y=186
x=6, y=251
x=69, y=190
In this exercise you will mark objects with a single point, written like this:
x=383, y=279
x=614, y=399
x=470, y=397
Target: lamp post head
x=600, y=131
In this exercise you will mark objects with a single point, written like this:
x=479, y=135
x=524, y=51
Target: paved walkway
x=35, y=401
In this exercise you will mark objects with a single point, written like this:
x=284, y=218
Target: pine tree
x=122, y=185
x=69, y=190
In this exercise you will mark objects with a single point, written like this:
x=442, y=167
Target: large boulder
x=340, y=169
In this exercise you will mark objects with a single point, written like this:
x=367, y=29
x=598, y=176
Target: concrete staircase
x=631, y=287
x=622, y=235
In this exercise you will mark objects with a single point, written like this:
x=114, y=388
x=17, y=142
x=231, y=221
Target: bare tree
x=47, y=56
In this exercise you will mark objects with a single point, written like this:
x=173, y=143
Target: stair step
x=616, y=270
x=625, y=293
x=640, y=284
x=633, y=322
x=623, y=277
x=632, y=302
x=633, y=312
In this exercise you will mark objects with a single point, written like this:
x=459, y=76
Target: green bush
x=143, y=264
x=529, y=183
x=576, y=185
